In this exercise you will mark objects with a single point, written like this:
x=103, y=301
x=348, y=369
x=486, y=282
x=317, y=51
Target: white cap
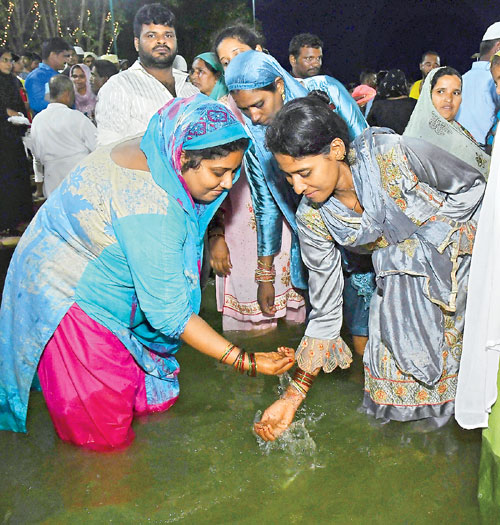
x=492, y=33
x=110, y=58
x=180, y=63
x=78, y=50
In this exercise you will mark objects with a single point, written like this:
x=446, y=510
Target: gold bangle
x=229, y=348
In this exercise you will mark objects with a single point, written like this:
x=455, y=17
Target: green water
x=200, y=463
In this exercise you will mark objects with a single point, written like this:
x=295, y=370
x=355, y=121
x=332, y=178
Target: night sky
x=379, y=34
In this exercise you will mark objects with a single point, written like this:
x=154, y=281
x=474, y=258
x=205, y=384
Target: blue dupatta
x=125, y=245
x=272, y=196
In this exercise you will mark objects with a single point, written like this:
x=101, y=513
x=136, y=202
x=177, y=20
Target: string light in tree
x=36, y=9
x=56, y=14
x=115, y=34
x=10, y=10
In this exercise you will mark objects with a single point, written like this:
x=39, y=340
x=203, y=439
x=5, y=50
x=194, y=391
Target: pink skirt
x=92, y=384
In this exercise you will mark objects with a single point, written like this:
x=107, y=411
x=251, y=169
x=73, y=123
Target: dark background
x=379, y=34
x=359, y=34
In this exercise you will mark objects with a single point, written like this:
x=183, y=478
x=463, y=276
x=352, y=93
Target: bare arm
x=201, y=336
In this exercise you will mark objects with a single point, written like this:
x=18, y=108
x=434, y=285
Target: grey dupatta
x=426, y=123
x=420, y=207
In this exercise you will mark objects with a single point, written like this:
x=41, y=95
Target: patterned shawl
x=426, y=123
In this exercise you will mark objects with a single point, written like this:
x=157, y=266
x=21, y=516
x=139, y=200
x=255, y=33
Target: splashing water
x=284, y=380
x=296, y=440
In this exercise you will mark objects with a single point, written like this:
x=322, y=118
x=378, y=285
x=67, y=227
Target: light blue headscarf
x=220, y=88
x=191, y=123
x=254, y=70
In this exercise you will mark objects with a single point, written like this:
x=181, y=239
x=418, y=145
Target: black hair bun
x=321, y=95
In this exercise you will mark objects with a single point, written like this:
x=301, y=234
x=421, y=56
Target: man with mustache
x=129, y=99
x=305, y=55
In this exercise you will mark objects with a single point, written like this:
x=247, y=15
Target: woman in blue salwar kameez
x=260, y=88
x=105, y=283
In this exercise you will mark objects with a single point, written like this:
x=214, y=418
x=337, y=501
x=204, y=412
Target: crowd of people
x=350, y=209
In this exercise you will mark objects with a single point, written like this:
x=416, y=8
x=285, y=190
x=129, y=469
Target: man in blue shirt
x=55, y=52
x=480, y=103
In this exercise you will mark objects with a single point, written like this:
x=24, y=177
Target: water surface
x=200, y=463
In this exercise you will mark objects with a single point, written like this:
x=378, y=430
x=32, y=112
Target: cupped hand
x=220, y=259
x=265, y=298
x=275, y=363
x=276, y=419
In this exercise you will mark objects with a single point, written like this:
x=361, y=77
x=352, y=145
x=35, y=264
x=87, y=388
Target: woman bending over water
x=414, y=208
x=105, y=283
x=260, y=88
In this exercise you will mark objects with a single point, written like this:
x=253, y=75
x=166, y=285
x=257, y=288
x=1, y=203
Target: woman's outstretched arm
x=201, y=336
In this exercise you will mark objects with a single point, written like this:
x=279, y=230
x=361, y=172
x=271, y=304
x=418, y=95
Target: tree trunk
x=83, y=13
x=102, y=27
x=47, y=19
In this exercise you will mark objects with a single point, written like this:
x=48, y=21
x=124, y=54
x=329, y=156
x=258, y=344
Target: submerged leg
x=359, y=343
x=89, y=381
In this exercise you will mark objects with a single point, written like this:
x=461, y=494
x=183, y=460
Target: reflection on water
x=200, y=462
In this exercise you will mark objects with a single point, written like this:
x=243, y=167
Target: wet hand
x=265, y=298
x=275, y=363
x=276, y=419
x=220, y=259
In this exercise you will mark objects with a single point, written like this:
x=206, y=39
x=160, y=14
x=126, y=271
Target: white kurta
x=477, y=379
x=127, y=102
x=61, y=137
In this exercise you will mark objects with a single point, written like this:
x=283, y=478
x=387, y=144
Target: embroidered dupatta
x=420, y=209
x=426, y=123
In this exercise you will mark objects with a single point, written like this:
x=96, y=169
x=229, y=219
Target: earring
x=283, y=96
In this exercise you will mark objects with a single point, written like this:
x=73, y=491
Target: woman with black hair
x=393, y=107
x=414, y=207
x=232, y=235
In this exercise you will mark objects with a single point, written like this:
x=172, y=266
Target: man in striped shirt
x=128, y=100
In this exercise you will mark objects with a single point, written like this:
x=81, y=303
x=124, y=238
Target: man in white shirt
x=128, y=100
x=60, y=136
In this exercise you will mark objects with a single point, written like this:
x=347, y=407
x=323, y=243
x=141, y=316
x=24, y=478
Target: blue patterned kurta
x=125, y=245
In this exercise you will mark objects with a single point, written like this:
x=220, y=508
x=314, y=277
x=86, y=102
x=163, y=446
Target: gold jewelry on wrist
x=229, y=348
x=265, y=273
